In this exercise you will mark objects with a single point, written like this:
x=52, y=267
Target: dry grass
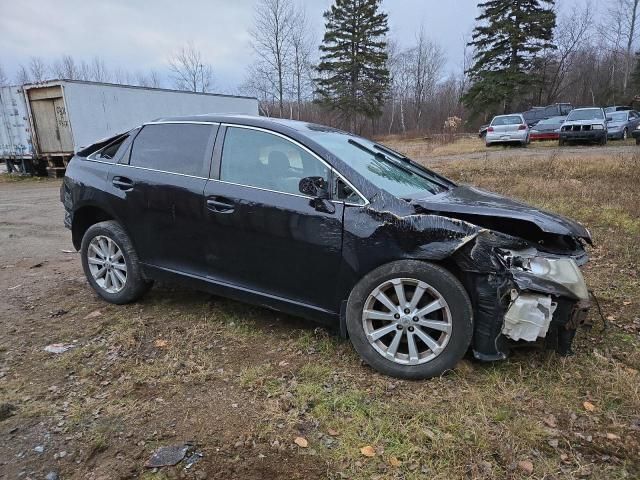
x=288, y=378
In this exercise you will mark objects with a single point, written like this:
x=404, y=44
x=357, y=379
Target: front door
x=261, y=232
x=159, y=194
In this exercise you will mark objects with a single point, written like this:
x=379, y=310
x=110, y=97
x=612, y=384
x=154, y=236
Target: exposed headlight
x=597, y=127
x=557, y=130
x=563, y=271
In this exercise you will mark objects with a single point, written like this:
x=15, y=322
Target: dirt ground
x=242, y=384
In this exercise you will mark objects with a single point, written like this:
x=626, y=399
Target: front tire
x=111, y=264
x=625, y=134
x=410, y=319
x=561, y=142
x=603, y=141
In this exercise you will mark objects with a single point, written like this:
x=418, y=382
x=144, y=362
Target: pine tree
x=353, y=66
x=507, y=39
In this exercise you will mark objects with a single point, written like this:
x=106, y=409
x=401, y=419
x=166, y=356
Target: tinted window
x=618, y=117
x=506, y=120
x=176, y=148
x=109, y=152
x=260, y=159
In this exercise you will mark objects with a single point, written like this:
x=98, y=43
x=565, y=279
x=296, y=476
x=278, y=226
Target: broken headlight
x=564, y=271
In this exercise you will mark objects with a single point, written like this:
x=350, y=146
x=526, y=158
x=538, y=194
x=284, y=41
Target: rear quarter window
x=174, y=148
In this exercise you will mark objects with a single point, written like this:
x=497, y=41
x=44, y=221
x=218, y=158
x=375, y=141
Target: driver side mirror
x=609, y=119
x=315, y=187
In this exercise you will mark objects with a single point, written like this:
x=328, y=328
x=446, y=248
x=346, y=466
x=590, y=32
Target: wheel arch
x=83, y=218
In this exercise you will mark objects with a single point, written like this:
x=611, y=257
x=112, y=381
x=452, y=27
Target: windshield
x=508, y=120
x=619, y=117
x=382, y=167
x=586, y=114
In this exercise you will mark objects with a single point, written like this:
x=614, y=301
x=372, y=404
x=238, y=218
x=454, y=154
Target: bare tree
x=189, y=70
x=98, y=71
x=271, y=40
x=151, y=79
x=619, y=30
x=37, y=69
x=23, y=77
x=301, y=51
x=3, y=78
x=66, y=68
x=572, y=33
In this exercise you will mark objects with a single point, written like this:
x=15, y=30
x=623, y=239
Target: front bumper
x=523, y=296
x=583, y=135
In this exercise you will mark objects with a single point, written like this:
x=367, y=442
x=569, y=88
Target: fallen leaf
x=160, y=343
x=612, y=436
x=301, y=442
x=526, y=466
x=332, y=432
x=394, y=462
x=626, y=303
x=611, y=318
x=94, y=314
x=589, y=407
x=550, y=421
x=368, y=451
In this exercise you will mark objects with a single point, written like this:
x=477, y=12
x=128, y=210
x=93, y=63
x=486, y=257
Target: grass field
x=243, y=382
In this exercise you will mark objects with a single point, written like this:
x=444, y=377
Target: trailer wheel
x=111, y=264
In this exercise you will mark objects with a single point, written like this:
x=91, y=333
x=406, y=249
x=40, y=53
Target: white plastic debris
x=58, y=347
x=528, y=316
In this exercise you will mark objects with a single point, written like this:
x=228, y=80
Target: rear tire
x=414, y=346
x=111, y=264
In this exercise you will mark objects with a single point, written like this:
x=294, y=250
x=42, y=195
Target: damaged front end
x=522, y=293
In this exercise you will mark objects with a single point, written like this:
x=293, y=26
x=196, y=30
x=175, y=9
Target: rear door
x=157, y=192
x=261, y=233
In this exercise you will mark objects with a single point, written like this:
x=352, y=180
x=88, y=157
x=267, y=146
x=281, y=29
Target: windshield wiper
x=439, y=179
x=380, y=155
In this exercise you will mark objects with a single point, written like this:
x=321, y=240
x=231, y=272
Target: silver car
x=508, y=129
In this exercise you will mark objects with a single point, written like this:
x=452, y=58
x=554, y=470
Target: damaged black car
x=413, y=268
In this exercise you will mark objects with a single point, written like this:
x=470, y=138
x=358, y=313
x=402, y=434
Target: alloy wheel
x=407, y=321
x=107, y=264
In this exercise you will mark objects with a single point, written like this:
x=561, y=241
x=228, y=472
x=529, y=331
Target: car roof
x=272, y=123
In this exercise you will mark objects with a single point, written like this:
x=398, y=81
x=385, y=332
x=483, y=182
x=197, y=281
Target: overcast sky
x=140, y=35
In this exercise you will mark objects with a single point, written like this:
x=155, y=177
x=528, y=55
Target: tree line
x=356, y=76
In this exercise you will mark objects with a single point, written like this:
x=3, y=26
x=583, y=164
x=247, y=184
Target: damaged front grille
x=576, y=128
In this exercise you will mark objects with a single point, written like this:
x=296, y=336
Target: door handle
x=122, y=183
x=220, y=205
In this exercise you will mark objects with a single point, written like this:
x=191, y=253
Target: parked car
x=547, y=129
x=622, y=123
x=316, y=222
x=584, y=124
x=536, y=114
x=482, y=131
x=507, y=129
x=617, y=109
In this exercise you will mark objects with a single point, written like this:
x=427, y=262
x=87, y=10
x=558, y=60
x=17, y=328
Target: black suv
x=316, y=222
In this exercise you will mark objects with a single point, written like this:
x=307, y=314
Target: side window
x=175, y=148
x=260, y=159
x=345, y=193
x=109, y=152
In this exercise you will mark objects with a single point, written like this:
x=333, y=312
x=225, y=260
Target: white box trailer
x=15, y=128
x=66, y=115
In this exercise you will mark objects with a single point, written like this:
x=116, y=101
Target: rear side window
x=108, y=154
x=174, y=148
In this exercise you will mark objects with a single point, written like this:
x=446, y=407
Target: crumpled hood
x=468, y=200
